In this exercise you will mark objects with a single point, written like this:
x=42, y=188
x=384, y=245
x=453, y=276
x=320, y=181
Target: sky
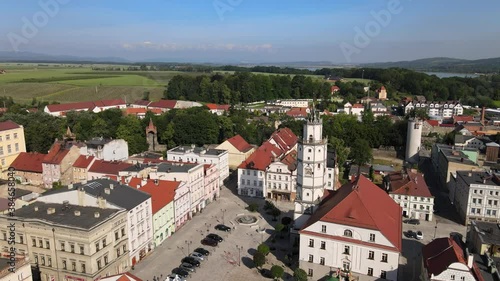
x=254, y=31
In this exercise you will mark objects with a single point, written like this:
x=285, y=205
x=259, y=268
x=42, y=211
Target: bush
x=263, y=249
x=253, y=207
x=299, y=275
x=277, y=271
x=259, y=259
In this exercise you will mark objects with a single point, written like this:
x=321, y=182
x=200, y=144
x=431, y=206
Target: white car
x=198, y=256
x=174, y=277
x=419, y=235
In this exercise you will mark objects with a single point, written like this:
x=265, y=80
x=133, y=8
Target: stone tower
x=152, y=136
x=311, y=170
x=413, y=140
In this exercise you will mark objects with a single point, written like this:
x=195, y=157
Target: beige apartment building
x=69, y=242
x=11, y=143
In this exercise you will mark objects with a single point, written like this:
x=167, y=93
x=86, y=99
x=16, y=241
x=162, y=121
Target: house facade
x=12, y=143
x=211, y=178
x=81, y=167
x=409, y=190
x=442, y=110
x=57, y=165
x=28, y=168
x=238, y=150
x=112, y=194
x=106, y=169
x=70, y=241
x=354, y=231
x=475, y=196
x=282, y=178
x=106, y=149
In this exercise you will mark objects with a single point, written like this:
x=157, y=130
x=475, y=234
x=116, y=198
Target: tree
x=279, y=229
x=259, y=259
x=168, y=136
x=361, y=153
x=263, y=249
x=145, y=95
x=299, y=274
x=275, y=212
x=277, y=272
x=131, y=131
x=341, y=151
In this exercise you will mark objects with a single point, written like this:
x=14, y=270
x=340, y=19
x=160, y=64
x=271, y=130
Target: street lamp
x=188, y=243
x=435, y=229
x=181, y=249
x=239, y=254
x=223, y=211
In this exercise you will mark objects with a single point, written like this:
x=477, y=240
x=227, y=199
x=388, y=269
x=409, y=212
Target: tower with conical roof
x=152, y=136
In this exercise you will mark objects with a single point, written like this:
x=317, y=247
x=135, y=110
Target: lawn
x=319, y=77
x=496, y=103
x=125, y=80
x=364, y=81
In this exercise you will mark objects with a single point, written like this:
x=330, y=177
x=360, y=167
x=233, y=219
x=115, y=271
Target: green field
x=319, y=77
x=496, y=103
x=364, y=81
x=70, y=83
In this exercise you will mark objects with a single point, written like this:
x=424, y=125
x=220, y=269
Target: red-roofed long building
x=94, y=106
x=356, y=229
x=238, y=150
x=29, y=167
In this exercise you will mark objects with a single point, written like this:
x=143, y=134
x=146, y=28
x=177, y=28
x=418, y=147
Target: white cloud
x=203, y=47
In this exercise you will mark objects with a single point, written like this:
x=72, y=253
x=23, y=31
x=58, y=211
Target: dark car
x=222, y=227
x=181, y=272
x=202, y=251
x=188, y=267
x=191, y=260
x=215, y=237
x=412, y=221
x=410, y=234
x=209, y=242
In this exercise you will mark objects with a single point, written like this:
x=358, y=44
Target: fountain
x=247, y=219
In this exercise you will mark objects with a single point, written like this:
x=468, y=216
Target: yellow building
x=11, y=143
x=239, y=150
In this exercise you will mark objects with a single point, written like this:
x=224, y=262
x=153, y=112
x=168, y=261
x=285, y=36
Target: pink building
x=212, y=190
x=182, y=205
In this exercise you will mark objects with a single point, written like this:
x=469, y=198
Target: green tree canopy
x=259, y=259
x=277, y=272
x=263, y=249
x=299, y=274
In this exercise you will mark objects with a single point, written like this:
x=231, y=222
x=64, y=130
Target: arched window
x=347, y=233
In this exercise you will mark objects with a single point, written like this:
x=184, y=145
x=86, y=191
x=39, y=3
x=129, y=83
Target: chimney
x=101, y=202
x=107, y=190
x=84, y=182
x=138, y=186
x=70, y=186
x=111, y=186
x=96, y=215
x=81, y=196
x=36, y=208
x=483, y=112
x=77, y=213
x=470, y=260
x=50, y=211
x=484, y=180
x=470, y=174
x=156, y=181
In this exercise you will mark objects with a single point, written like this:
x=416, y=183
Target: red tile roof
x=240, y=143
x=108, y=167
x=114, y=102
x=213, y=106
x=334, y=88
x=262, y=157
x=56, y=154
x=141, y=110
x=433, y=123
x=362, y=204
x=411, y=184
x=297, y=112
x=224, y=107
x=357, y=105
x=134, y=182
x=8, y=125
x=161, y=193
x=290, y=160
x=29, y=162
x=83, y=161
x=127, y=276
x=285, y=138
x=463, y=118
x=166, y=104
x=142, y=102
x=439, y=254
x=71, y=106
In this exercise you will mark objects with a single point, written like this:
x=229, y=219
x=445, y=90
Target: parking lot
x=226, y=262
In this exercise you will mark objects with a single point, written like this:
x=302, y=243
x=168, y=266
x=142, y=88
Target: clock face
x=308, y=171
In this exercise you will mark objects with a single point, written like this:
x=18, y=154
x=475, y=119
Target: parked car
x=410, y=234
x=209, y=242
x=181, y=272
x=197, y=256
x=215, y=237
x=412, y=221
x=419, y=235
x=191, y=260
x=202, y=251
x=188, y=267
x=175, y=277
x=222, y=227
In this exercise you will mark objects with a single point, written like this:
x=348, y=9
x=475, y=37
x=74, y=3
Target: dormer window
x=347, y=233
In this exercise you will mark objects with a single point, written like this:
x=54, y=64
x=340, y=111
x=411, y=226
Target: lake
x=449, y=74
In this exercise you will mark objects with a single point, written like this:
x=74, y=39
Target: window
x=116, y=236
x=322, y=261
x=7, y=137
x=323, y=245
x=1, y=150
x=43, y=260
x=311, y=243
x=73, y=265
x=72, y=248
x=83, y=267
x=40, y=243
x=311, y=258
x=16, y=146
x=9, y=148
x=104, y=242
x=347, y=250
x=372, y=237
x=462, y=278
x=106, y=260
x=49, y=261
x=255, y=173
x=384, y=257
x=36, y=259
x=323, y=228
x=383, y=274
x=309, y=150
x=124, y=248
x=63, y=246
x=82, y=251
x=64, y=264
x=370, y=271
x=346, y=265
x=97, y=247
x=452, y=277
x=309, y=272
x=21, y=239
x=371, y=255
x=99, y=264
x=347, y=233
x=118, y=252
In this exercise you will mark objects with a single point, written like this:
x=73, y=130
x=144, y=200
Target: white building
x=475, y=195
x=21, y=272
x=202, y=155
x=282, y=178
x=192, y=174
x=440, y=110
x=471, y=142
x=293, y=103
x=61, y=110
x=311, y=170
x=356, y=230
x=413, y=140
x=106, y=149
x=409, y=190
x=112, y=194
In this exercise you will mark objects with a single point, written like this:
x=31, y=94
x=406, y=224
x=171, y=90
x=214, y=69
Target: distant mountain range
x=35, y=57
x=443, y=64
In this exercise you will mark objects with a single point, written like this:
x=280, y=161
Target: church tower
x=311, y=169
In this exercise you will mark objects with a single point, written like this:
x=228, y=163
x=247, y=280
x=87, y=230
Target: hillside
x=444, y=65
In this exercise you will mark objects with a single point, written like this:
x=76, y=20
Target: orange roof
x=141, y=110
x=463, y=118
x=362, y=204
x=162, y=192
x=240, y=143
x=83, y=161
x=262, y=157
x=29, y=162
x=433, y=123
x=8, y=125
x=108, y=167
x=285, y=138
x=413, y=184
x=335, y=88
x=290, y=160
x=357, y=105
x=71, y=106
x=127, y=276
x=213, y=106
x=56, y=154
x=297, y=112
